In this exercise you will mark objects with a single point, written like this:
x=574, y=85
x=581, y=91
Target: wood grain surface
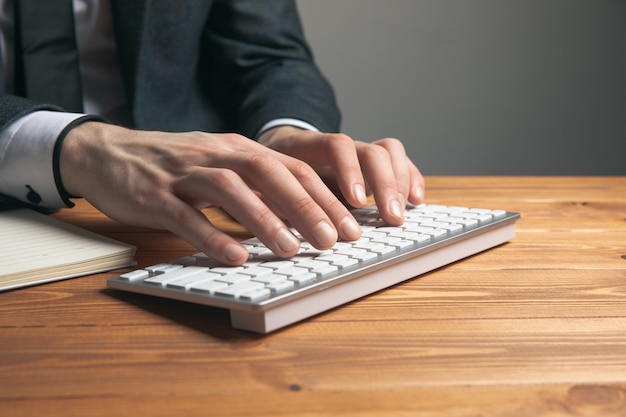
x=535, y=327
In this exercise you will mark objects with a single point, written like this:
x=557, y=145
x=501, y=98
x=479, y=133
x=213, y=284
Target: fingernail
x=324, y=234
x=234, y=252
x=396, y=209
x=419, y=192
x=350, y=228
x=359, y=192
x=286, y=241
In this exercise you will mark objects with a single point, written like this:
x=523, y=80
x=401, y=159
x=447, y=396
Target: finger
x=191, y=225
x=293, y=188
x=408, y=177
x=399, y=164
x=348, y=228
x=338, y=153
x=380, y=177
x=418, y=186
x=344, y=160
x=229, y=190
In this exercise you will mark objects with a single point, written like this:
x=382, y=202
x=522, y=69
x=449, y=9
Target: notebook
x=36, y=248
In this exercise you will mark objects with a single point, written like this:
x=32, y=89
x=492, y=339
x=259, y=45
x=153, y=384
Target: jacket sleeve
x=262, y=65
x=13, y=107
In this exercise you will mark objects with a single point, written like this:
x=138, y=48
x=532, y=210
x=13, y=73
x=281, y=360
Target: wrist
x=72, y=154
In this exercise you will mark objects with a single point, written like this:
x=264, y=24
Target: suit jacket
x=211, y=65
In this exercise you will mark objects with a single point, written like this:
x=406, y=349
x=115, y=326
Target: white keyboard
x=268, y=292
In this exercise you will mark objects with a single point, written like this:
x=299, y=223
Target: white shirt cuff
x=26, y=152
x=286, y=122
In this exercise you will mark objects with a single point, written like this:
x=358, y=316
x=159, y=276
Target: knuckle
x=231, y=136
x=237, y=138
x=183, y=216
x=374, y=152
x=225, y=179
x=266, y=217
x=340, y=142
x=303, y=207
x=341, y=138
x=391, y=144
x=301, y=169
x=387, y=141
x=333, y=205
x=197, y=134
x=169, y=215
x=262, y=164
x=208, y=240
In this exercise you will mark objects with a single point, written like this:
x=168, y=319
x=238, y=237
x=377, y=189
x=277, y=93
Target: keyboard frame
x=346, y=285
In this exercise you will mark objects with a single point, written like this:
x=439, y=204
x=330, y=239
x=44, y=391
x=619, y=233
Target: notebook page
x=38, y=246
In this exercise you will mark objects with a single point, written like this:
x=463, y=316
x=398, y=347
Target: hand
x=163, y=180
x=352, y=167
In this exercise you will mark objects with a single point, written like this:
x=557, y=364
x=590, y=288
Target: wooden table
x=536, y=327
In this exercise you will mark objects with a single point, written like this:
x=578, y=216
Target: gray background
x=481, y=87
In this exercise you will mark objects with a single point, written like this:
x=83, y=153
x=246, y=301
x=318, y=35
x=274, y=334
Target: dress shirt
x=27, y=146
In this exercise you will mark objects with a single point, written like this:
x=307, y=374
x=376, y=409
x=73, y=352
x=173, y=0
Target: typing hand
x=163, y=180
x=352, y=167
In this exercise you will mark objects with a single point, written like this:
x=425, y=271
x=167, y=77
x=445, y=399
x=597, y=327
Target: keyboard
x=268, y=293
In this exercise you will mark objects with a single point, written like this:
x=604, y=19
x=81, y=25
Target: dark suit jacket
x=212, y=65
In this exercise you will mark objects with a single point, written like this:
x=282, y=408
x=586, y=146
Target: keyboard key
x=162, y=268
x=233, y=278
x=133, y=275
x=207, y=286
x=377, y=248
x=465, y=222
x=498, y=213
x=325, y=269
x=185, y=261
x=178, y=273
x=303, y=278
x=310, y=263
x=332, y=257
x=415, y=237
x=204, y=260
x=239, y=288
x=479, y=211
x=258, y=251
x=269, y=279
x=387, y=240
x=346, y=262
x=373, y=235
x=281, y=285
x=312, y=252
x=358, y=254
x=293, y=271
x=451, y=209
x=257, y=270
x=427, y=208
x=277, y=265
x=256, y=294
x=227, y=269
x=187, y=281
